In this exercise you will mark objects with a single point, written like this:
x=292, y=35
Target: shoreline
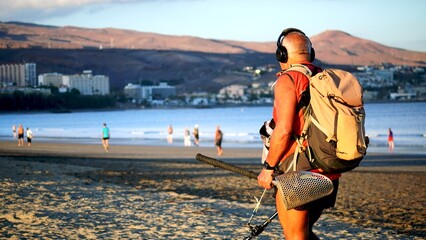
x=379, y=159
x=183, y=107
x=58, y=190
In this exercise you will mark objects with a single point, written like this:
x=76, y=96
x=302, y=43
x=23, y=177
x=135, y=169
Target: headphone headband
x=281, y=52
x=286, y=32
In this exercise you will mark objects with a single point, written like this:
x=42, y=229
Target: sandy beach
x=72, y=191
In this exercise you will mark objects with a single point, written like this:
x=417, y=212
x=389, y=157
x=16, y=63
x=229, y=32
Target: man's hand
x=265, y=178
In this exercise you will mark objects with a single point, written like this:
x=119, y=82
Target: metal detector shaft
x=226, y=166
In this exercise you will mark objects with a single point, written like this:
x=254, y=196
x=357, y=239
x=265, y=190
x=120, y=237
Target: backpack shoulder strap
x=300, y=68
x=295, y=68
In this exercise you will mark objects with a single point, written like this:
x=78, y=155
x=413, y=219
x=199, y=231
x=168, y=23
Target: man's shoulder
x=307, y=69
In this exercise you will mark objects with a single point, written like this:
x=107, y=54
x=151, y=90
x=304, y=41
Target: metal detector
x=295, y=188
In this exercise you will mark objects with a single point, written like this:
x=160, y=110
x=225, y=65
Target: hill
x=23, y=35
x=337, y=47
x=190, y=63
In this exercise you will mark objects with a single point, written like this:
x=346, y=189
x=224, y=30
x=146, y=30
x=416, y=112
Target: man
x=105, y=137
x=293, y=47
x=20, y=135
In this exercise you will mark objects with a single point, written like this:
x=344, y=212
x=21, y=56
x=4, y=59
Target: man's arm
x=285, y=106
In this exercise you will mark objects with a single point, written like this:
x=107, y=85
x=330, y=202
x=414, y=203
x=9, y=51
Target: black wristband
x=267, y=166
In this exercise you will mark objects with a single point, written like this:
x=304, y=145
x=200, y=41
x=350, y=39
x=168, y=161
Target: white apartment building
x=86, y=83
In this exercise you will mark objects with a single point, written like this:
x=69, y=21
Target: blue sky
x=395, y=23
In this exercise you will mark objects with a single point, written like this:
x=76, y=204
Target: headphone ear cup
x=281, y=54
x=312, y=55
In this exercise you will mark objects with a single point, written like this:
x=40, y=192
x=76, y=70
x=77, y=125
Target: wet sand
x=72, y=191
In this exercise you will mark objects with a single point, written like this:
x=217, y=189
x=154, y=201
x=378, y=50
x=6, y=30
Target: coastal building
x=200, y=99
x=133, y=91
x=375, y=78
x=233, y=91
x=50, y=79
x=139, y=93
x=30, y=74
x=162, y=91
x=86, y=83
x=20, y=75
x=406, y=92
x=89, y=84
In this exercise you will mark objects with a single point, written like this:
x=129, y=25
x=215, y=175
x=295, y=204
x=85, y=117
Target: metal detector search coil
x=301, y=187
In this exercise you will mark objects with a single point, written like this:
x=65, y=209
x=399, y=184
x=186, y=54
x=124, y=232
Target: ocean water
x=240, y=125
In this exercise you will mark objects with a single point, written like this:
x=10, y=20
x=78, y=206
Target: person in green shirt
x=105, y=137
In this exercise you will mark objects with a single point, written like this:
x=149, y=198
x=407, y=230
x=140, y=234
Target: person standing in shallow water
x=14, y=131
x=390, y=140
x=218, y=136
x=170, y=134
x=187, y=138
x=196, y=135
x=105, y=137
x=20, y=135
x=30, y=136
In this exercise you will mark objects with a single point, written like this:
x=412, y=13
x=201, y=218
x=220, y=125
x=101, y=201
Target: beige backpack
x=334, y=120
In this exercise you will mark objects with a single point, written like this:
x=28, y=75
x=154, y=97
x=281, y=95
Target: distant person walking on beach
x=14, y=131
x=30, y=136
x=390, y=140
x=293, y=47
x=218, y=136
x=170, y=134
x=20, y=135
x=196, y=135
x=187, y=138
x=105, y=137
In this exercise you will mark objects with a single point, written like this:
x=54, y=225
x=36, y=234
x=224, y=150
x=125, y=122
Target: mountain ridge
x=334, y=46
x=350, y=50
x=192, y=64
